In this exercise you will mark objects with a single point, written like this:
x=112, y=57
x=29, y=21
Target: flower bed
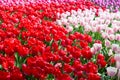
x=50, y=41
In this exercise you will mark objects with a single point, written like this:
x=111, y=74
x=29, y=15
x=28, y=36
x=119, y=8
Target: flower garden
x=59, y=40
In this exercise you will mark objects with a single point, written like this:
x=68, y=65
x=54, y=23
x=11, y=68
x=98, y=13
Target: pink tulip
x=69, y=28
x=111, y=71
x=117, y=37
x=111, y=36
x=104, y=35
x=118, y=64
x=97, y=47
x=117, y=57
x=115, y=47
x=107, y=43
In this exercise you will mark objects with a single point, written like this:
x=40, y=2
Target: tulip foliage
x=48, y=41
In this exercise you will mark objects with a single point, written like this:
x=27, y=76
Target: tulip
x=107, y=43
x=117, y=37
x=111, y=71
x=114, y=47
x=110, y=53
x=118, y=64
x=97, y=47
x=117, y=57
x=69, y=28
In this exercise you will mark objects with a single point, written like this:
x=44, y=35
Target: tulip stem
x=109, y=58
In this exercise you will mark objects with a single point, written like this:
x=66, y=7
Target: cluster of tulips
x=58, y=40
x=113, y=5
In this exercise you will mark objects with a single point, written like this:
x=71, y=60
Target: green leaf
x=50, y=77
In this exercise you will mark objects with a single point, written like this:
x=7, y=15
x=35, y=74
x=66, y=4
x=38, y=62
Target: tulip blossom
x=96, y=48
x=117, y=57
x=111, y=71
x=115, y=47
x=110, y=53
x=107, y=43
